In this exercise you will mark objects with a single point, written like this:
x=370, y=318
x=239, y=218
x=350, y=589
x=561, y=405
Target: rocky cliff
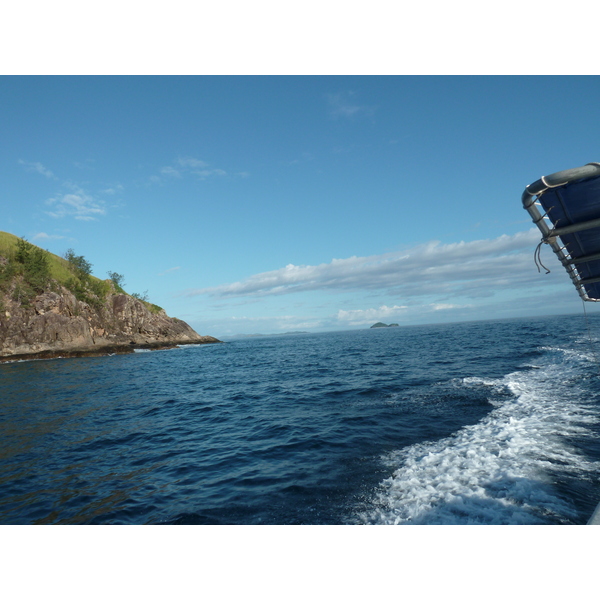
x=53, y=306
x=55, y=323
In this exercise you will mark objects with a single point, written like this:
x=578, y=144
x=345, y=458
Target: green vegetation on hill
x=59, y=269
x=27, y=270
x=24, y=269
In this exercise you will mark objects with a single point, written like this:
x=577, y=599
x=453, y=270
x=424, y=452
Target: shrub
x=77, y=287
x=23, y=293
x=37, y=269
x=99, y=288
x=84, y=287
x=98, y=291
x=143, y=297
x=118, y=281
x=22, y=252
x=79, y=266
x=33, y=264
x=7, y=272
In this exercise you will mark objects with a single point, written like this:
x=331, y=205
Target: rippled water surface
x=487, y=422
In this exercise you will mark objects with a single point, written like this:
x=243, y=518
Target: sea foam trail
x=500, y=470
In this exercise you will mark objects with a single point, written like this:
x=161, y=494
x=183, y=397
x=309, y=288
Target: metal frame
x=550, y=234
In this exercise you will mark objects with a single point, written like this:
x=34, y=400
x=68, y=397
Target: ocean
x=490, y=422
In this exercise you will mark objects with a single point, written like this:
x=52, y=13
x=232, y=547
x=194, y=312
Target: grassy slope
x=59, y=267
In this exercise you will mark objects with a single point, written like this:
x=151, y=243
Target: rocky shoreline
x=104, y=351
x=56, y=324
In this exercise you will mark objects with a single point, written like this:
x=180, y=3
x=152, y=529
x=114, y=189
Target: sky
x=268, y=204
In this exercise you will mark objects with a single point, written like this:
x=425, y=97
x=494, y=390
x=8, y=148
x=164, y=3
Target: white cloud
x=170, y=171
x=190, y=165
x=88, y=164
x=388, y=314
x=304, y=157
x=46, y=236
x=37, y=167
x=370, y=315
x=77, y=204
x=445, y=306
x=272, y=324
x=343, y=105
x=169, y=270
x=467, y=269
x=111, y=191
x=204, y=173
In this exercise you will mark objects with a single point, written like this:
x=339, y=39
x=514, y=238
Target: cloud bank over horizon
x=473, y=269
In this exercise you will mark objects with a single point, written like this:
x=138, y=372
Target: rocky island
x=380, y=324
x=52, y=306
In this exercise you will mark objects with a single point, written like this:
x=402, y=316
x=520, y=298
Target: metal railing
x=551, y=234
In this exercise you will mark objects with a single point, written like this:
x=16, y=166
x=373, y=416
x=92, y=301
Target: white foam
x=500, y=470
x=570, y=353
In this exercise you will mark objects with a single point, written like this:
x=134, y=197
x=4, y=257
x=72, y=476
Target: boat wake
x=505, y=468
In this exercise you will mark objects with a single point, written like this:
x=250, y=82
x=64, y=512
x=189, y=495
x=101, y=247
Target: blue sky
x=267, y=204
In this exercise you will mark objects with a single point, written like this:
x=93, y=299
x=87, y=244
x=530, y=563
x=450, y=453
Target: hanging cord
x=537, y=258
x=587, y=323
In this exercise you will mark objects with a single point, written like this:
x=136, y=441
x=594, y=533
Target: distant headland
x=52, y=306
x=380, y=324
x=255, y=335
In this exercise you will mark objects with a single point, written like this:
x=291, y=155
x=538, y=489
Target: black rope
x=537, y=258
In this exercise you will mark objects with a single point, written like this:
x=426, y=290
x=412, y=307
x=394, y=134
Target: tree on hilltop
x=118, y=280
x=78, y=265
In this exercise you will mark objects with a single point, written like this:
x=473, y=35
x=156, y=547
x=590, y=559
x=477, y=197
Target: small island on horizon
x=380, y=324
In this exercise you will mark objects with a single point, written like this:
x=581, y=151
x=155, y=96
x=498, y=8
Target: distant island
x=380, y=324
x=52, y=306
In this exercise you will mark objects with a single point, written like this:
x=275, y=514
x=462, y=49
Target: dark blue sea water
x=486, y=422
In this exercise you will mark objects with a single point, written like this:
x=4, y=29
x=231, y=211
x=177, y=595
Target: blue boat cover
x=573, y=203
